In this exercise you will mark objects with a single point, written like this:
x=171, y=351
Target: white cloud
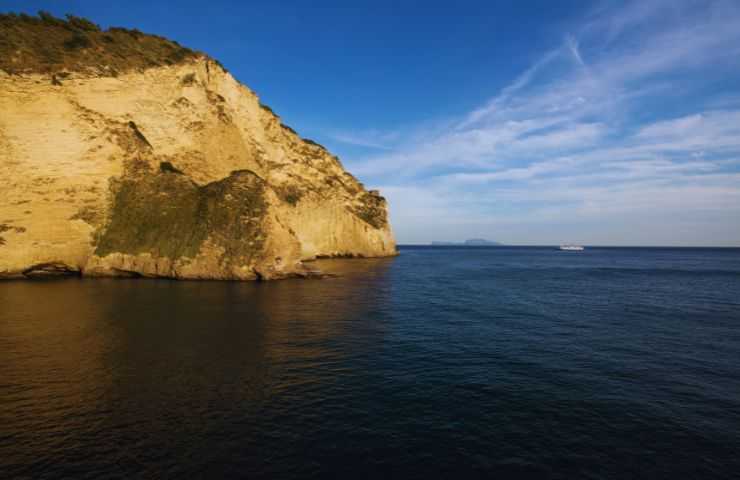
x=366, y=138
x=567, y=147
x=572, y=44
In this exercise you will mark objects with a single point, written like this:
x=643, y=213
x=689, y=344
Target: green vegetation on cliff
x=167, y=215
x=46, y=44
x=372, y=210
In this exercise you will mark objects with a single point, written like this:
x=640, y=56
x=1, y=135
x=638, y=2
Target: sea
x=443, y=362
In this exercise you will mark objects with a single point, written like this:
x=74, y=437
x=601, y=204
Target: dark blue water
x=443, y=362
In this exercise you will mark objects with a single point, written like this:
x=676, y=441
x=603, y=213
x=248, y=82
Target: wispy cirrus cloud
x=374, y=139
x=626, y=123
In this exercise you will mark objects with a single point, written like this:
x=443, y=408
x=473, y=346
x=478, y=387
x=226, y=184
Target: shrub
x=311, y=142
x=46, y=44
x=83, y=24
x=77, y=41
x=289, y=129
x=291, y=194
x=50, y=19
x=267, y=108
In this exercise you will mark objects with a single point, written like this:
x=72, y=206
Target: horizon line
x=504, y=245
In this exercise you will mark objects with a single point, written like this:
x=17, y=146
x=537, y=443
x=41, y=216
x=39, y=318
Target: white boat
x=571, y=248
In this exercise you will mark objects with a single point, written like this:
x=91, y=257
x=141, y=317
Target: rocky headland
x=126, y=154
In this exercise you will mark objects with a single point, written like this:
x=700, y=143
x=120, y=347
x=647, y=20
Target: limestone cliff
x=126, y=154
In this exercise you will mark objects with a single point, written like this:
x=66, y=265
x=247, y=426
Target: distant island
x=471, y=242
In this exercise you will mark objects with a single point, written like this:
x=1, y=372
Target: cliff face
x=157, y=167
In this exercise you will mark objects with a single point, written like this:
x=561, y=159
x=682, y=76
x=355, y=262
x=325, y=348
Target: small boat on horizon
x=572, y=248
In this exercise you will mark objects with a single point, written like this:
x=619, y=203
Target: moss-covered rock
x=167, y=215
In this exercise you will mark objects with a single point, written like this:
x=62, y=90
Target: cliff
x=123, y=153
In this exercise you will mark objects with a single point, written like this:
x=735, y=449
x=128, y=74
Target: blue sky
x=613, y=123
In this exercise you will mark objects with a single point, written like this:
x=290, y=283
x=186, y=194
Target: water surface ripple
x=609, y=363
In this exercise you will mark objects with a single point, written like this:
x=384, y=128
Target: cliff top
x=46, y=44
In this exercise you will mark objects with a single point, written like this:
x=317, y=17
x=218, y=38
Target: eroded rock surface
x=170, y=170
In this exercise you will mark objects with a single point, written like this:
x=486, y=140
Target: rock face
x=160, y=164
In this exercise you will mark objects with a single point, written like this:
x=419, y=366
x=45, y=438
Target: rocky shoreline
x=164, y=166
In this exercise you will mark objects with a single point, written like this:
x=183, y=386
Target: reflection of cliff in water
x=148, y=360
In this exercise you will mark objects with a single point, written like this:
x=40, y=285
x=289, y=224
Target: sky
x=538, y=122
